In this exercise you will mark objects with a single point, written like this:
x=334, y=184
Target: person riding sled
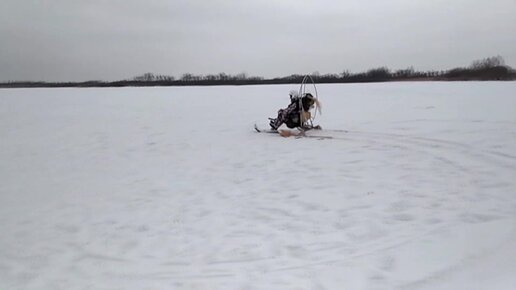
x=297, y=113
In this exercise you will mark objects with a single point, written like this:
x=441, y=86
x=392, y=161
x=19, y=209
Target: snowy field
x=170, y=188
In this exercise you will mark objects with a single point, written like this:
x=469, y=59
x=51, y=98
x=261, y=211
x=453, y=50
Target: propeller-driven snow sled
x=302, y=111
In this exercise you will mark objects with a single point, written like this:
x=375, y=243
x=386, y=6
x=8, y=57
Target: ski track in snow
x=170, y=188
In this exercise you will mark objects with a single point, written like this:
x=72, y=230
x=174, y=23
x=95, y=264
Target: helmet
x=293, y=94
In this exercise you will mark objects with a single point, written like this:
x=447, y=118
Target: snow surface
x=170, y=188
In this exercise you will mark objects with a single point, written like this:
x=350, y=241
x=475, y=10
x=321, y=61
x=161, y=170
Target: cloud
x=81, y=40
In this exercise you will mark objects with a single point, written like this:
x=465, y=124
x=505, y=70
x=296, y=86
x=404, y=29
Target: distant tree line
x=491, y=68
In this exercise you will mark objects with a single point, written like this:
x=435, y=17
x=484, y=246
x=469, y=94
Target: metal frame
x=302, y=91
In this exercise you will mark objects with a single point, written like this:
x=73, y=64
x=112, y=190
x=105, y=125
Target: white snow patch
x=171, y=188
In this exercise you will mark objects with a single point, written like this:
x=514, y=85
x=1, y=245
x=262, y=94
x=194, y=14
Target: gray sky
x=72, y=40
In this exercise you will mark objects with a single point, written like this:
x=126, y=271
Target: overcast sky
x=72, y=40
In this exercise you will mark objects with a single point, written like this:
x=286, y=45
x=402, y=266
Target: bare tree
x=489, y=62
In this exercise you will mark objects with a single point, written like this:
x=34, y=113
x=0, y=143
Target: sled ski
x=264, y=130
x=302, y=133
